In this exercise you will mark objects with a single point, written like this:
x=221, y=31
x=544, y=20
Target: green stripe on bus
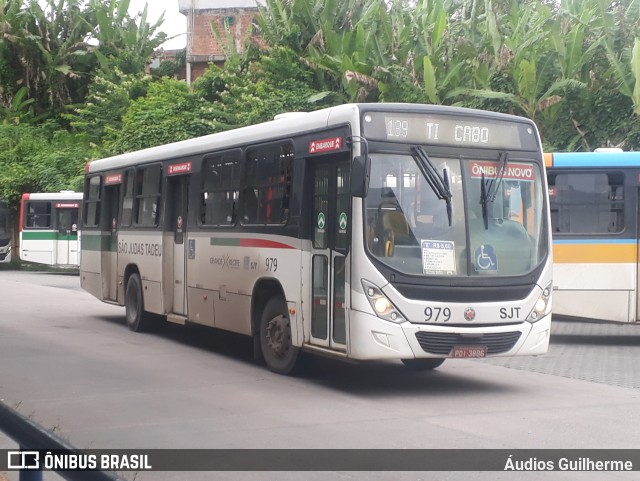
x=49, y=235
x=97, y=242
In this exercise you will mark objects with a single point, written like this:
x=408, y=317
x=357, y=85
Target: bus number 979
x=437, y=314
x=271, y=264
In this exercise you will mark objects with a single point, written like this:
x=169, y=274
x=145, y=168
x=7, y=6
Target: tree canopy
x=73, y=85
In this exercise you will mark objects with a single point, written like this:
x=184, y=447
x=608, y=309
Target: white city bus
x=49, y=228
x=5, y=233
x=361, y=232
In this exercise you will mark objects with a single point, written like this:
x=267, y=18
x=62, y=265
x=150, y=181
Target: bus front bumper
x=374, y=338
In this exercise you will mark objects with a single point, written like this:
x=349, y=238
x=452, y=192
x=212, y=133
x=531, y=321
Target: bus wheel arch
x=272, y=327
x=138, y=320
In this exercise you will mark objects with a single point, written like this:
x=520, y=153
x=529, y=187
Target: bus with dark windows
x=405, y=232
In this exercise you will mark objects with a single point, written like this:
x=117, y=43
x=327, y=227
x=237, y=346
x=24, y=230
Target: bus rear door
x=175, y=237
x=110, y=226
x=330, y=241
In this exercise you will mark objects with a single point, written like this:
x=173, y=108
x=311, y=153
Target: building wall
x=204, y=47
x=203, y=40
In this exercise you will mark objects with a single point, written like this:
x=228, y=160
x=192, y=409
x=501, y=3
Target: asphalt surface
x=607, y=353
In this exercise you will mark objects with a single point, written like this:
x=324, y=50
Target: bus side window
x=127, y=201
x=249, y=206
x=268, y=178
x=91, y=217
x=147, y=195
x=221, y=179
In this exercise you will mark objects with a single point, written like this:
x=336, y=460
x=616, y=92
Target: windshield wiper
x=438, y=183
x=488, y=190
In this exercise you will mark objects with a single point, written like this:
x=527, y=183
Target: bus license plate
x=469, y=351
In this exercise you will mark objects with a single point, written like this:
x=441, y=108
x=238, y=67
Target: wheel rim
x=278, y=336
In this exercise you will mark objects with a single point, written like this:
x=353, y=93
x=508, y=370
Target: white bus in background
x=49, y=228
x=361, y=232
x=5, y=233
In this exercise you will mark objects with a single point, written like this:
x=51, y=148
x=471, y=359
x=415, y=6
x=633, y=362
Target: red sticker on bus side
x=67, y=205
x=325, y=145
x=113, y=179
x=182, y=168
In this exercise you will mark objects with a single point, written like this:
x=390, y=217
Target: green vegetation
x=73, y=85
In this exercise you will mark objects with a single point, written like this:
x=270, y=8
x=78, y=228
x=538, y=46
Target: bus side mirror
x=360, y=169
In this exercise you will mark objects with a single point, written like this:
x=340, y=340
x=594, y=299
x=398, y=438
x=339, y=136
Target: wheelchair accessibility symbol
x=485, y=258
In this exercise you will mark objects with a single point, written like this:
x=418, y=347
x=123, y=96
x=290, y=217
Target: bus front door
x=175, y=234
x=330, y=241
x=67, y=243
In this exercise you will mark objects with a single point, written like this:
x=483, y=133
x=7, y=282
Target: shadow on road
x=390, y=378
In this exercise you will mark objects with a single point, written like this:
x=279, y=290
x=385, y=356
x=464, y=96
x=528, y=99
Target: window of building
x=92, y=201
x=587, y=203
x=267, y=187
x=147, y=198
x=220, y=190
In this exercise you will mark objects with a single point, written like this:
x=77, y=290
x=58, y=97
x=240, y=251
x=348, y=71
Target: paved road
x=68, y=361
x=605, y=353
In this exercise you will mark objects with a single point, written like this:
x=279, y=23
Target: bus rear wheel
x=276, y=343
x=137, y=319
x=422, y=364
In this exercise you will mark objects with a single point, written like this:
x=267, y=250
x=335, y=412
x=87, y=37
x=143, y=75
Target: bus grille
x=443, y=342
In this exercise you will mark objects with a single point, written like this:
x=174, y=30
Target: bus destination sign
x=442, y=129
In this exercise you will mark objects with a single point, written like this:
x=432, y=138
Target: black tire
x=425, y=364
x=137, y=319
x=276, y=343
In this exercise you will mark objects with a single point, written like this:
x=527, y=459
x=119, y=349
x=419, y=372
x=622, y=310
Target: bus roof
x=52, y=196
x=593, y=159
x=282, y=127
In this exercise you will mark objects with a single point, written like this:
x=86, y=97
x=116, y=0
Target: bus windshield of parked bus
x=488, y=221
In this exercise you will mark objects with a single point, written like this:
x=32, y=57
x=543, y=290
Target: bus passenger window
x=39, y=215
x=221, y=179
x=147, y=195
x=269, y=173
x=250, y=207
x=587, y=203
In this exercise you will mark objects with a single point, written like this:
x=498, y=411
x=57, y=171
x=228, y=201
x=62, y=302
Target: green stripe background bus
x=401, y=232
x=50, y=228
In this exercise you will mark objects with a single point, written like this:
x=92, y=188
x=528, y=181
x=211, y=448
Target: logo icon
x=321, y=220
x=342, y=221
x=23, y=460
x=469, y=314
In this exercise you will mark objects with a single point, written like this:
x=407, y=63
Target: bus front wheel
x=137, y=318
x=422, y=364
x=278, y=350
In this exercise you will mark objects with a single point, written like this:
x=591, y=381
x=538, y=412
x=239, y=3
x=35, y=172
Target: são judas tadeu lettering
x=140, y=248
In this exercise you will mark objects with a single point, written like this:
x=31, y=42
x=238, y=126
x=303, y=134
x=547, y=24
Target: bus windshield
x=491, y=222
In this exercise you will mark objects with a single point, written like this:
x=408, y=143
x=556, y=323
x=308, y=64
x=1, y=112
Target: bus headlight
x=542, y=305
x=380, y=304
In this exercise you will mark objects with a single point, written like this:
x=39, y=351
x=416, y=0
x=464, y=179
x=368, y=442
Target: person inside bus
x=250, y=206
